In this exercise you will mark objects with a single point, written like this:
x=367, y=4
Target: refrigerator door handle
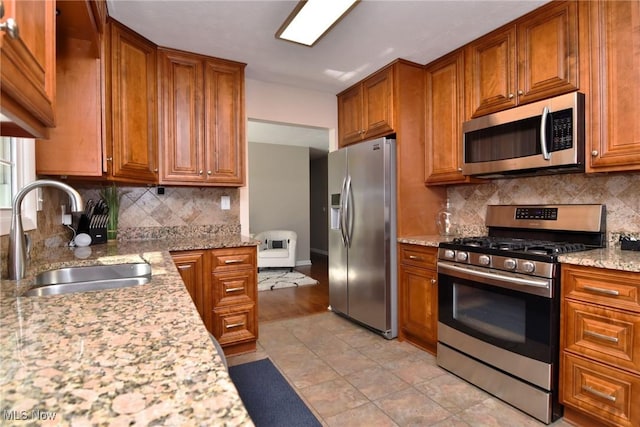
x=347, y=210
x=342, y=208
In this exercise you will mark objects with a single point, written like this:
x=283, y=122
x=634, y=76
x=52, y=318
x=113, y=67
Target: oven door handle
x=529, y=285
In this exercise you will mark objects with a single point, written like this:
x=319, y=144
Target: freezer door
x=338, y=260
x=369, y=196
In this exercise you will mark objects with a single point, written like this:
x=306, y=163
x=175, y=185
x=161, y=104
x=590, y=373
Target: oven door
x=505, y=315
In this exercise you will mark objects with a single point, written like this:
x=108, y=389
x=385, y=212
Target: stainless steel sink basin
x=90, y=278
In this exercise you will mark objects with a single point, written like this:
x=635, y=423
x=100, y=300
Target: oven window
x=499, y=316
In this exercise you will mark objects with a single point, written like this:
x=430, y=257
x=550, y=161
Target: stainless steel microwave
x=543, y=137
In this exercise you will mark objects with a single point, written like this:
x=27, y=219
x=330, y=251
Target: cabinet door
x=491, y=72
x=444, y=116
x=181, y=110
x=27, y=74
x=614, y=129
x=224, y=138
x=548, y=52
x=74, y=147
x=377, y=104
x=132, y=108
x=350, y=127
x=419, y=306
x=191, y=267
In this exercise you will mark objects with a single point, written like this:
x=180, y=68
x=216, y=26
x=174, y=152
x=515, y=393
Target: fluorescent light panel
x=313, y=18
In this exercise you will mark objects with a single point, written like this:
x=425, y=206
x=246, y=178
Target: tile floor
x=349, y=376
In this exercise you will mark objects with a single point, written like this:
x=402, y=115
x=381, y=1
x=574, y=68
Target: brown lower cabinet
x=418, y=296
x=223, y=286
x=600, y=346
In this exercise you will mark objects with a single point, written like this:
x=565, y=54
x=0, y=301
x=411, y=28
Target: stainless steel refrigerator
x=362, y=234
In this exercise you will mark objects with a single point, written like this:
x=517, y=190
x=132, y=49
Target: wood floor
x=287, y=303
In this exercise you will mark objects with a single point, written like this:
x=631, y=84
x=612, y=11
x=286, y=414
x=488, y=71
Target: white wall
x=279, y=192
x=286, y=104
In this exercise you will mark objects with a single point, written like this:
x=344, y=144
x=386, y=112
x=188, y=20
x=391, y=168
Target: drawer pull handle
x=602, y=291
x=602, y=336
x=240, y=288
x=598, y=393
x=416, y=257
x=234, y=325
x=233, y=261
x=184, y=267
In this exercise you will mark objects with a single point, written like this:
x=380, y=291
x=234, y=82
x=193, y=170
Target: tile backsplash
x=619, y=192
x=145, y=214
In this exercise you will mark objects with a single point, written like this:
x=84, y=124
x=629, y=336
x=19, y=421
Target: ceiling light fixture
x=311, y=19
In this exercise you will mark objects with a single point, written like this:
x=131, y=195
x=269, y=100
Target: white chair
x=277, y=249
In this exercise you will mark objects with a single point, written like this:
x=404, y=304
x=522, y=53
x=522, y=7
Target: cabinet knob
x=594, y=153
x=109, y=159
x=510, y=96
x=208, y=172
x=10, y=27
x=433, y=281
x=459, y=169
x=520, y=92
x=156, y=170
x=200, y=172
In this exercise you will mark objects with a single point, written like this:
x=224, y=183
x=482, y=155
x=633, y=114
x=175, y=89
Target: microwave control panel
x=562, y=130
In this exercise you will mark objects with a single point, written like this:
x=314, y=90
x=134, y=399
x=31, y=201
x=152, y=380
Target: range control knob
x=528, y=267
x=510, y=264
x=484, y=260
x=462, y=256
x=449, y=254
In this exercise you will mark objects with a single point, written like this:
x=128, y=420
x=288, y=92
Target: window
x=17, y=168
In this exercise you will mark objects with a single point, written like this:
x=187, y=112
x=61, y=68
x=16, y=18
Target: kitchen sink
x=90, y=278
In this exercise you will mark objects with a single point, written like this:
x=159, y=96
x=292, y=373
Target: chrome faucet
x=17, y=240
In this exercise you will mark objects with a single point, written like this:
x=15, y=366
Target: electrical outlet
x=225, y=203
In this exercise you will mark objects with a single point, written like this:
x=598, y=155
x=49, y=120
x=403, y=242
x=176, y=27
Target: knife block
x=98, y=229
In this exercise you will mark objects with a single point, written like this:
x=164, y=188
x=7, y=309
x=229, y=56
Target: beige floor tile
x=333, y=397
x=376, y=382
x=368, y=415
x=308, y=372
x=409, y=407
x=452, y=393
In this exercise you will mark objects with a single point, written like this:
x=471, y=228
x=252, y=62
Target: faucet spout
x=17, y=242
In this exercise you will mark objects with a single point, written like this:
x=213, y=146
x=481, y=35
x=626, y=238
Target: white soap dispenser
x=444, y=220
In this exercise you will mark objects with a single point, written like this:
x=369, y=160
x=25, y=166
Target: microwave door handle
x=543, y=133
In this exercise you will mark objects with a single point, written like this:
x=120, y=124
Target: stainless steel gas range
x=499, y=300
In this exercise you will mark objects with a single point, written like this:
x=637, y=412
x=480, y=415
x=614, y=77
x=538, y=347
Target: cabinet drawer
x=233, y=258
x=234, y=325
x=233, y=287
x=616, y=289
x=609, y=336
x=418, y=256
x=606, y=393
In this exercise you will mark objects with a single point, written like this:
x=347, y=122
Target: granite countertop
x=425, y=240
x=139, y=355
x=613, y=257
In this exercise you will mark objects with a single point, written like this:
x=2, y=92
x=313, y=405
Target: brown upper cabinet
x=531, y=59
x=131, y=107
x=444, y=110
x=612, y=115
x=365, y=110
x=79, y=64
x=202, y=120
x=27, y=74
